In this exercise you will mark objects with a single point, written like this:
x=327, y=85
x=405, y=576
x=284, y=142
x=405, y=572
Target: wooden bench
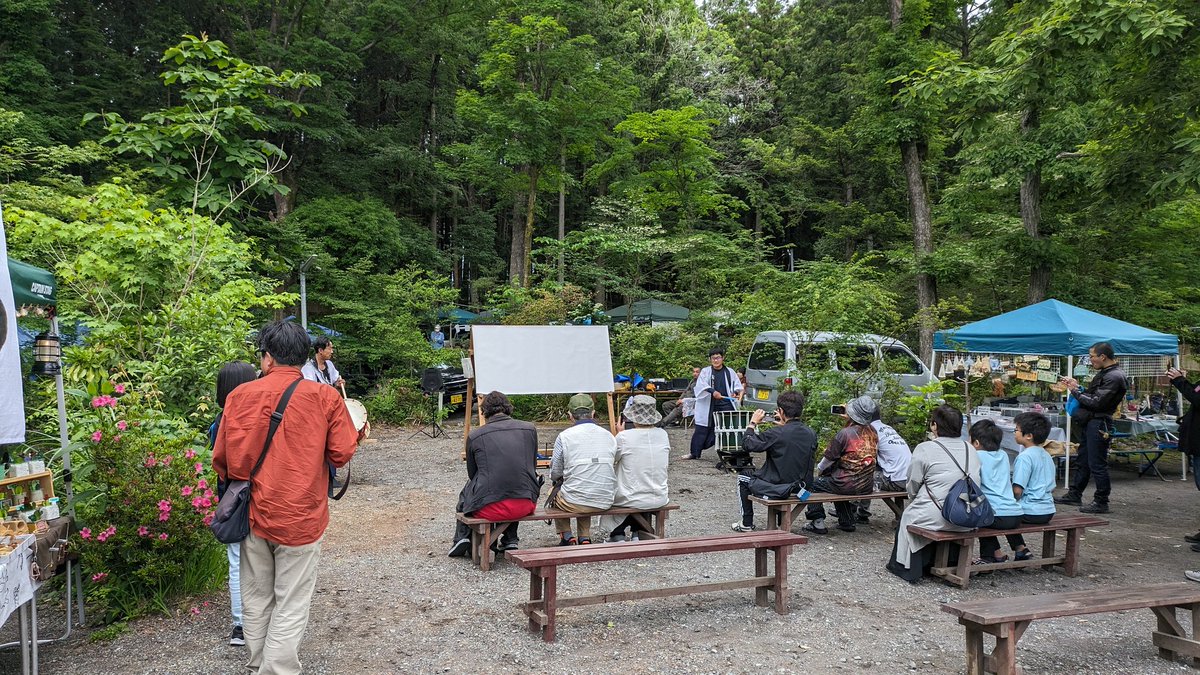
x=543, y=563
x=1007, y=619
x=484, y=533
x=781, y=513
x=1072, y=525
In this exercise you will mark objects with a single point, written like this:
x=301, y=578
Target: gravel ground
x=389, y=600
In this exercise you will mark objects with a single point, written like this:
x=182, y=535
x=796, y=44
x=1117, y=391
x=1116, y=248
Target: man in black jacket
x=789, y=447
x=502, y=481
x=1094, y=419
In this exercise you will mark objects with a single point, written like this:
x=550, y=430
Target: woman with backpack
x=937, y=465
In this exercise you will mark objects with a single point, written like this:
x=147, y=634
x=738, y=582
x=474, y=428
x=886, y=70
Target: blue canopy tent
x=311, y=335
x=456, y=315
x=1054, y=328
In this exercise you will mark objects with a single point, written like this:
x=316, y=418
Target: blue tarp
x=1053, y=328
x=456, y=315
x=327, y=331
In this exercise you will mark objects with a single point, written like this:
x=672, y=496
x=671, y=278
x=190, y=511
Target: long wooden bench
x=781, y=513
x=959, y=574
x=1007, y=619
x=543, y=564
x=484, y=533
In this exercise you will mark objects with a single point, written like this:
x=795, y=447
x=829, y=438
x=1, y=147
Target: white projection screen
x=542, y=359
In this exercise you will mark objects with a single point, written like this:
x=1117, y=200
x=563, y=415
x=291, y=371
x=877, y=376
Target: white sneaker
x=1194, y=575
x=739, y=527
x=616, y=537
x=634, y=538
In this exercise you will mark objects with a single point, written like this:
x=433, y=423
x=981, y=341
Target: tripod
x=432, y=383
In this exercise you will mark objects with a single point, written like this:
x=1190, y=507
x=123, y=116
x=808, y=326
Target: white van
x=774, y=349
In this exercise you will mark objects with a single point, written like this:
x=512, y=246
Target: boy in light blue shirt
x=1033, y=472
x=996, y=482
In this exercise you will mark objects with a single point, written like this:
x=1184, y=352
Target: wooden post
x=612, y=419
x=470, y=399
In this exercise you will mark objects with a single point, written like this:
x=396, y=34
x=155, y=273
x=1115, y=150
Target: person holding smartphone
x=848, y=467
x=788, y=448
x=1094, y=419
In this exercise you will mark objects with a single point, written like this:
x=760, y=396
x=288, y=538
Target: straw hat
x=642, y=409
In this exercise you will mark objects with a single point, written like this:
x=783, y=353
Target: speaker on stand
x=432, y=384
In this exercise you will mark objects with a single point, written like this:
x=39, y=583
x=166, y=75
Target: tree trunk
x=1031, y=214
x=911, y=153
x=527, y=241
x=562, y=207
x=516, y=242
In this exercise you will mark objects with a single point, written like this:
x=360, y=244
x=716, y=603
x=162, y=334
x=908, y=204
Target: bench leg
x=896, y=505
x=550, y=575
x=1071, y=564
x=535, y=594
x=1166, y=624
x=1049, y=543
x=660, y=524
x=974, y=651
x=781, y=579
x=965, y=548
x=485, y=547
x=1196, y=632
x=760, y=571
x=1004, y=656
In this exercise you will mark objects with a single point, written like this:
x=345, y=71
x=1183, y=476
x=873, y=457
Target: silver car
x=775, y=350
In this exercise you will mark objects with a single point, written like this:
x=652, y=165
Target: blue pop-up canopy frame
x=1053, y=328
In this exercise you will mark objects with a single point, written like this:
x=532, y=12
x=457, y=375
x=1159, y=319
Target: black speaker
x=432, y=382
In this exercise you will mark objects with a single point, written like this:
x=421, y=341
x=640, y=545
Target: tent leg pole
x=1066, y=447
x=63, y=440
x=1183, y=459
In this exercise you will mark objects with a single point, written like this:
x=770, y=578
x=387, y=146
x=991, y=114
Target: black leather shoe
x=1192, y=538
x=1073, y=498
x=1196, y=548
x=1094, y=507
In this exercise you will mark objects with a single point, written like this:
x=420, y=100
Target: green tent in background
x=649, y=311
x=31, y=285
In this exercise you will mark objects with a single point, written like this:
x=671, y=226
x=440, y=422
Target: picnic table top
x=567, y=555
x=1074, y=603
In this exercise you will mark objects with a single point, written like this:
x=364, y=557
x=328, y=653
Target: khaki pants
x=584, y=525
x=277, y=586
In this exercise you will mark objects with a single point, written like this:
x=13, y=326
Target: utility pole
x=304, y=266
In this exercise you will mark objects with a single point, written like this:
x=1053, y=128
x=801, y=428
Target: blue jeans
x=234, y=553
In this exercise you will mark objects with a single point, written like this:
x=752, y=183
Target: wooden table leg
x=1071, y=565
x=1196, y=631
x=781, y=579
x=760, y=571
x=788, y=514
x=660, y=524
x=535, y=594
x=974, y=651
x=550, y=574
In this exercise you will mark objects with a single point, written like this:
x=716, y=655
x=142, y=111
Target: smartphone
x=837, y=410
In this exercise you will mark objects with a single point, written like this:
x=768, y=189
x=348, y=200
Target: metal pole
x=1067, y=444
x=303, y=303
x=63, y=441
x=1183, y=458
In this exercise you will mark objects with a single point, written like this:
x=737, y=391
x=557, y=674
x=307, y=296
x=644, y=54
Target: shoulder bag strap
x=276, y=418
x=956, y=464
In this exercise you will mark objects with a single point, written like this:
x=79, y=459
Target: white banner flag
x=12, y=398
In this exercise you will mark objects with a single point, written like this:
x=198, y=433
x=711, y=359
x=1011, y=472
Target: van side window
x=900, y=361
x=767, y=356
x=855, y=359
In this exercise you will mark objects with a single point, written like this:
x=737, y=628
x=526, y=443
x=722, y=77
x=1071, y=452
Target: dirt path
x=388, y=599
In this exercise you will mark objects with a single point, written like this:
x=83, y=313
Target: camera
x=837, y=410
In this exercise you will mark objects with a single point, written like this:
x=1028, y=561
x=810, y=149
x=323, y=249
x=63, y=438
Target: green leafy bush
x=550, y=408
x=398, y=401
x=147, y=493
x=667, y=351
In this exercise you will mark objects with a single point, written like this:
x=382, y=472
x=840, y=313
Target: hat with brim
x=581, y=402
x=862, y=409
x=642, y=409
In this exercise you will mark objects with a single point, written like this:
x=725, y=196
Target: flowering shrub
x=144, y=504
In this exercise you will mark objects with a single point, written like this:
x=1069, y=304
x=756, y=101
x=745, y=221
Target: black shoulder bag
x=231, y=520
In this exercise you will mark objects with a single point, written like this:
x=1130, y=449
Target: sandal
x=809, y=527
x=583, y=541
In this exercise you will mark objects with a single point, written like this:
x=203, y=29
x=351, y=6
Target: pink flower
x=85, y=533
x=102, y=536
x=122, y=425
x=104, y=401
x=208, y=493
x=164, y=516
x=143, y=531
x=99, y=576
x=112, y=529
x=206, y=502
x=119, y=388
x=189, y=453
x=166, y=461
x=117, y=438
x=202, y=484
x=196, y=502
x=208, y=520
x=164, y=505
x=196, y=611
x=162, y=537
x=199, y=468
x=187, y=490
x=150, y=461
x=97, y=435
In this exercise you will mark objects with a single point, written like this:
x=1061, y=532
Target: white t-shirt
x=894, y=456
x=583, y=459
x=641, y=468
x=330, y=377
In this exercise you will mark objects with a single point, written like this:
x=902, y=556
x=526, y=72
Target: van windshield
x=900, y=361
x=767, y=356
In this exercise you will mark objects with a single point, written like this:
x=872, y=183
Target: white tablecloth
x=16, y=581
x=1009, y=442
